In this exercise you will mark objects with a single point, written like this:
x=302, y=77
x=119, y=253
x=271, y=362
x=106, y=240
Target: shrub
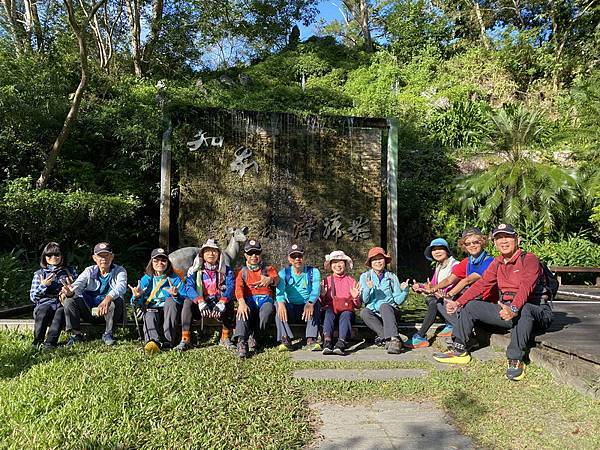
x=573, y=251
x=15, y=280
x=31, y=217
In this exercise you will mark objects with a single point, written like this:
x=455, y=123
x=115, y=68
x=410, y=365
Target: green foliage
x=461, y=125
x=15, y=280
x=32, y=217
x=574, y=250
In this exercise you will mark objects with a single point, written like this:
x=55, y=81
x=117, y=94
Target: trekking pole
x=137, y=324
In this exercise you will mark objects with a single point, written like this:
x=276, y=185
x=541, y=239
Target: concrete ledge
x=581, y=374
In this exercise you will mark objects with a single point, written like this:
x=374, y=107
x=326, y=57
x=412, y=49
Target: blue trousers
x=294, y=315
x=345, y=320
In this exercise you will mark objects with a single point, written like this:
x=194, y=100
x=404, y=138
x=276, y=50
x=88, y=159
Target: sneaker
x=242, y=349
x=285, y=346
x=227, y=344
x=151, y=347
x=516, y=370
x=446, y=331
x=313, y=345
x=252, y=344
x=36, y=345
x=108, y=339
x=74, y=339
x=380, y=342
x=182, y=346
x=417, y=341
x=340, y=347
x=48, y=346
x=328, y=347
x=394, y=345
x=452, y=357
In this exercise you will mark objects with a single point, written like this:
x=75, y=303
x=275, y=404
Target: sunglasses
x=296, y=256
x=51, y=255
x=253, y=253
x=471, y=243
x=160, y=260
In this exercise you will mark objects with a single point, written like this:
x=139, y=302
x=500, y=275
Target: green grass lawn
x=92, y=396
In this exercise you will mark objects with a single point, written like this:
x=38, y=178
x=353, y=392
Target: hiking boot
x=48, y=346
x=328, y=347
x=452, y=357
x=340, y=348
x=242, y=349
x=417, y=341
x=252, y=344
x=313, y=345
x=394, y=345
x=108, y=339
x=36, y=345
x=227, y=344
x=182, y=346
x=380, y=342
x=74, y=339
x=151, y=348
x=446, y=331
x=516, y=370
x=285, y=346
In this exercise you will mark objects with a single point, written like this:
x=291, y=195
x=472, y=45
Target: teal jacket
x=296, y=290
x=385, y=291
x=148, y=283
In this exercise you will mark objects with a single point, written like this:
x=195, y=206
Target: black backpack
x=551, y=283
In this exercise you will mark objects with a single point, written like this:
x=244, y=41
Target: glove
x=219, y=309
x=204, y=309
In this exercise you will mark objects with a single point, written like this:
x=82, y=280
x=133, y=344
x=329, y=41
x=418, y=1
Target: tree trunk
x=481, y=24
x=19, y=34
x=76, y=102
x=155, y=27
x=365, y=26
x=133, y=13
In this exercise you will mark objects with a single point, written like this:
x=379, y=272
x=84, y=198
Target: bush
x=573, y=251
x=31, y=217
x=15, y=281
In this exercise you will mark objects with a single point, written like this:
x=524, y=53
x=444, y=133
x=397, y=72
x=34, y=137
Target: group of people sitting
x=508, y=291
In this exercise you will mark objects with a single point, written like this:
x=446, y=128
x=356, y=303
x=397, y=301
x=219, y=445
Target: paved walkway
x=386, y=425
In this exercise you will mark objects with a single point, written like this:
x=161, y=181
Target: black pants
x=46, y=318
x=385, y=324
x=256, y=322
x=435, y=307
x=157, y=318
x=530, y=315
x=190, y=312
x=76, y=308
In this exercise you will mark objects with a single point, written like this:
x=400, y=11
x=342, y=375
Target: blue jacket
x=386, y=290
x=295, y=291
x=148, y=283
x=49, y=294
x=89, y=286
x=225, y=280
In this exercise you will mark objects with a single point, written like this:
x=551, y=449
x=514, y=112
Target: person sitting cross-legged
x=97, y=292
x=524, y=302
x=297, y=300
x=382, y=293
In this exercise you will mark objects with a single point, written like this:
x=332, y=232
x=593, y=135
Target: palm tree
x=517, y=189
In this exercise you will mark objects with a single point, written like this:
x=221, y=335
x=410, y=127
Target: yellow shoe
x=516, y=370
x=284, y=348
x=452, y=357
x=151, y=348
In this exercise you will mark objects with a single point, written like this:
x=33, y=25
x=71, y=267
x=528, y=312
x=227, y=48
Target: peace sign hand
x=49, y=279
x=173, y=290
x=66, y=290
x=355, y=291
x=369, y=282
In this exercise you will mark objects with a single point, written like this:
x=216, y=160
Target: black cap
x=103, y=247
x=472, y=230
x=158, y=252
x=296, y=248
x=252, y=245
x=505, y=228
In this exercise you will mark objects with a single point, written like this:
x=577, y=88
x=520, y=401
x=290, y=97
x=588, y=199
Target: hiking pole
x=137, y=324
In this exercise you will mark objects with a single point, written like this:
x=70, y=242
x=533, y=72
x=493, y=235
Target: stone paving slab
x=386, y=425
x=359, y=374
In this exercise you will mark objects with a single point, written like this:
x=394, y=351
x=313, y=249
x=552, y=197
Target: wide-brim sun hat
x=210, y=243
x=376, y=251
x=337, y=255
x=437, y=242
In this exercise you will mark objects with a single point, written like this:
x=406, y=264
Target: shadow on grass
x=461, y=403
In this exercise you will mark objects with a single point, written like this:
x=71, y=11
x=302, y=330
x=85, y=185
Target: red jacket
x=516, y=279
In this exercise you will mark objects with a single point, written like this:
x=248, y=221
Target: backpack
x=309, y=275
x=551, y=283
x=263, y=269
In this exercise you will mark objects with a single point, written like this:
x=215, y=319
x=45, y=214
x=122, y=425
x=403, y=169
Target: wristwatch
x=514, y=309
